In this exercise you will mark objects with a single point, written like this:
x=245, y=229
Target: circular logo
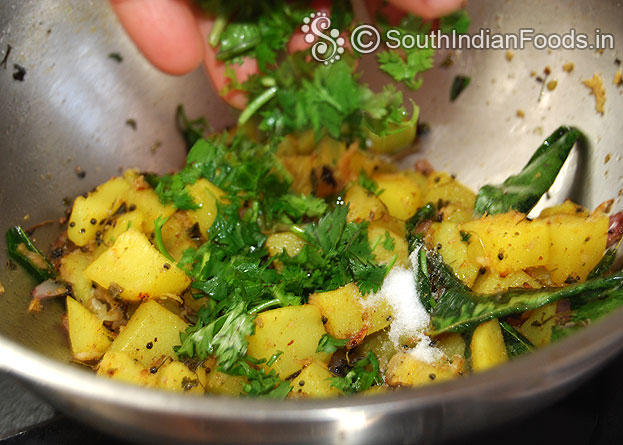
x=365, y=39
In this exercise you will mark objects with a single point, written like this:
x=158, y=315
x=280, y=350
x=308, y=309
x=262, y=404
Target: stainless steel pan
x=71, y=109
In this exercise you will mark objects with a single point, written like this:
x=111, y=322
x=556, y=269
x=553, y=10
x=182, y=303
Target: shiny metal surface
x=71, y=110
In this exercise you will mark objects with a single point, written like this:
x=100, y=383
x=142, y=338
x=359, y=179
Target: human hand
x=173, y=35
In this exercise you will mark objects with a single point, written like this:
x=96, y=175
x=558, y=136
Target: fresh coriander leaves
x=261, y=383
x=224, y=336
x=328, y=99
x=368, y=183
x=406, y=69
x=330, y=344
x=364, y=374
x=158, y=223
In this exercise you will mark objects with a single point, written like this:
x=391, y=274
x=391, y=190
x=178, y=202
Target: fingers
x=428, y=9
x=216, y=68
x=165, y=31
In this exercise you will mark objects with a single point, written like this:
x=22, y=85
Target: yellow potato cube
x=566, y=208
x=175, y=376
x=451, y=344
x=121, y=366
x=313, y=381
x=453, y=246
x=377, y=234
x=87, y=334
x=150, y=334
x=538, y=327
x=363, y=205
x=277, y=242
x=456, y=214
x=206, y=195
x=122, y=224
x=146, y=200
x=492, y=283
x=220, y=383
x=72, y=271
x=293, y=330
x=487, y=346
x=511, y=242
x=175, y=235
x=577, y=245
x=137, y=267
x=400, y=194
x=89, y=213
x=405, y=370
x=345, y=314
x=300, y=167
x=443, y=187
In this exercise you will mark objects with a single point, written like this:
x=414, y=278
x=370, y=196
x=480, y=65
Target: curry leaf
x=516, y=343
x=459, y=309
x=23, y=250
x=521, y=192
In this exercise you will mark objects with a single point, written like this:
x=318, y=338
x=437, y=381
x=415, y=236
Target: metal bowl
x=74, y=109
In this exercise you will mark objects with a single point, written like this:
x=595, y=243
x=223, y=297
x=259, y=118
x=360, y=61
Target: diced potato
x=382, y=346
x=175, y=235
x=374, y=390
x=301, y=143
x=538, y=327
x=405, y=370
x=121, y=366
x=146, y=200
x=511, y=241
x=346, y=315
x=452, y=345
x=400, y=194
x=442, y=186
x=72, y=271
x=175, y=376
x=206, y=195
x=453, y=246
x=377, y=232
x=138, y=268
x=87, y=334
x=566, y=208
x=487, y=346
x=417, y=177
x=395, y=225
x=150, y=334
x=328, y=151
x=313, y=381
x=492, y=283
x=220, y=383
x=363, y=205
x=456, y=214
x=277, y=242
x=354, y=160
x=293, y=330
x=89, y=214
x=577, y=245
x=300, y=167
x=122, y=224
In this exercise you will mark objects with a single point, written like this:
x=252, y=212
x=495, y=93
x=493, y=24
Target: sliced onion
x=49, y=289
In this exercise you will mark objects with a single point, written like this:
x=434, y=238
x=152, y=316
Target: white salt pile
x=409, y=318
